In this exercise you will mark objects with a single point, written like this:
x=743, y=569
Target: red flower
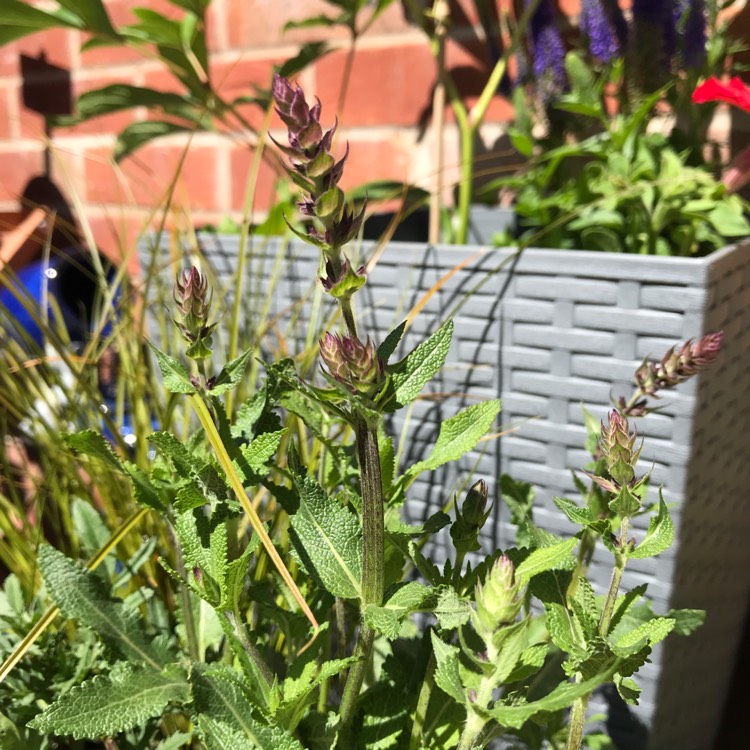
x=735, y=92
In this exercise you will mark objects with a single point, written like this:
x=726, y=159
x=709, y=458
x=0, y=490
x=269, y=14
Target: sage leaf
x=327, y=540
x=174, y=374
x=82, y=596
x=108, y=705
x=447, y=676
x=547, y=558
x=387, y=619
x=412, y=373
x=660, y=533
x=231, y=374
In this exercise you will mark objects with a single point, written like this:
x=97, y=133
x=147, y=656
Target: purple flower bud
x=193, y=301
x=617, y=446
x=353, y=363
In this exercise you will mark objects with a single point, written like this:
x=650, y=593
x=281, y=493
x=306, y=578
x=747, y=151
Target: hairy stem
x=373, y=537
x=240, y=630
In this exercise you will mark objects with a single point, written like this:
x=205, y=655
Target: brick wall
x=385, y=116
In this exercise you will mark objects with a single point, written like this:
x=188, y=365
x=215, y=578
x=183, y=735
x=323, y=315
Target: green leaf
x=625, y=504
x=547, y=558
x=92, y=13
x=261, y=450
x=659, y=536
x=219, y=735
x=728, y=219
x=308, y=53
x=647, y=634
x=412, y=373
x=514, y=717
x=82, y=596
x=175, y=451
x=686, y=620
x=108, y=705
x=220, y=693
x=139, y=134
x=450, y=609
x=458, y=435
x=19, y=19
x=89, y=526
x=573, y=511
x=174, y=374
x=628, y=689
x=231, y=374
x=327, y=539
x=401, y=603
x=511, y=643
x=391, y=341
x=92, y=443
x=447, y=676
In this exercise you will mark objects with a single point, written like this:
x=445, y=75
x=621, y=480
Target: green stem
x=187, y=610
x=240, y=629
x=373, y=540
x=423, y=701
x=475, y=723
x=578, y=713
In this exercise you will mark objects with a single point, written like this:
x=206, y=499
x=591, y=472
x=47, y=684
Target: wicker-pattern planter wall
x=548, y=330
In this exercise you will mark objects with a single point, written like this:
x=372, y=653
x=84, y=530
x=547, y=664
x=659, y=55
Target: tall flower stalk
x=351, y=363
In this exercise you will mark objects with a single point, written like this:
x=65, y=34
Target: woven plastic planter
x=548, y=330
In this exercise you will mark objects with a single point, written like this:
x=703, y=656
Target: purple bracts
x=547, y=50
x=596, y=26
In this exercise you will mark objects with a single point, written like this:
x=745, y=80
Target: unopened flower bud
x=193, y=300
x=618, y=448
x=474, y=508
x=353, y=363
x=499, y=600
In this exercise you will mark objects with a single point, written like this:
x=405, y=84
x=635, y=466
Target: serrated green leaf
x=174, y=374
x=93, y=443
x=647, y=634
x=231, y=374
x=391, y=341
x=388, y=618
x=584, y=606
x=625, y=503
x=659, y=536
x=450, y=609
x=447, y=675
x=176, y=741
x=547, y=558
x=219, y=735
x=628, y=689
x=458, y=435
x=574, y=512
x=261, y=449
x=327, y=539
x=189, y=496
x=432, y=525
x=82, y=596
x=175, y=451
x=529, y=662
x=220, y=693
x=514, y=717
x=108, y=705
x=144, y=491
x=686, y=621
x=89, y=526
x=412, y=373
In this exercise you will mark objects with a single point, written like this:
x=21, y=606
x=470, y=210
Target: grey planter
x=547, y=330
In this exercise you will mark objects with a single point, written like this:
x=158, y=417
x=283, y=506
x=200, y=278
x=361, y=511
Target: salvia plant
x=309, y=614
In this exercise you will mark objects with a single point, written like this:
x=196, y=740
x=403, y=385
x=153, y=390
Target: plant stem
x=240, y=629
x=187, y=610
x=423, y=701
x=578, y=713
x=373, y=538
x=474, y=722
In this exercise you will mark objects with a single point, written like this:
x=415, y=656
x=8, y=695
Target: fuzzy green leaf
x=451, y=610
x=412, y=373
x=107, y=705
x=261, y=449
x=220, y=693
x=625, y=503
x=547, y=558
x=447, y=676
x=390, y=342
x=405, y=600
x=458, y=435
x=647, y=634
x=92, y=443
x=82, y=596
x=231, y=374
x=574, y=512
x=174, y=374
x=139, y=134
x=220, y=735
x=660, y=533
x=514, y=717
x=686, y=621
x=327, y=540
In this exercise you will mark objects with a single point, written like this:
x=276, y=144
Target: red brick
x=260, y=23
x=374, y=160
x=5, y=110
x=55, y=44
x=388, y=85
x=265, y=191
x=17, y=167
x=148, y=173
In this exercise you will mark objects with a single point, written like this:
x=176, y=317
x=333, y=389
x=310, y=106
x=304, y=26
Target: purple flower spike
x=596, y=25
x=694, y=34
x=547, y=50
